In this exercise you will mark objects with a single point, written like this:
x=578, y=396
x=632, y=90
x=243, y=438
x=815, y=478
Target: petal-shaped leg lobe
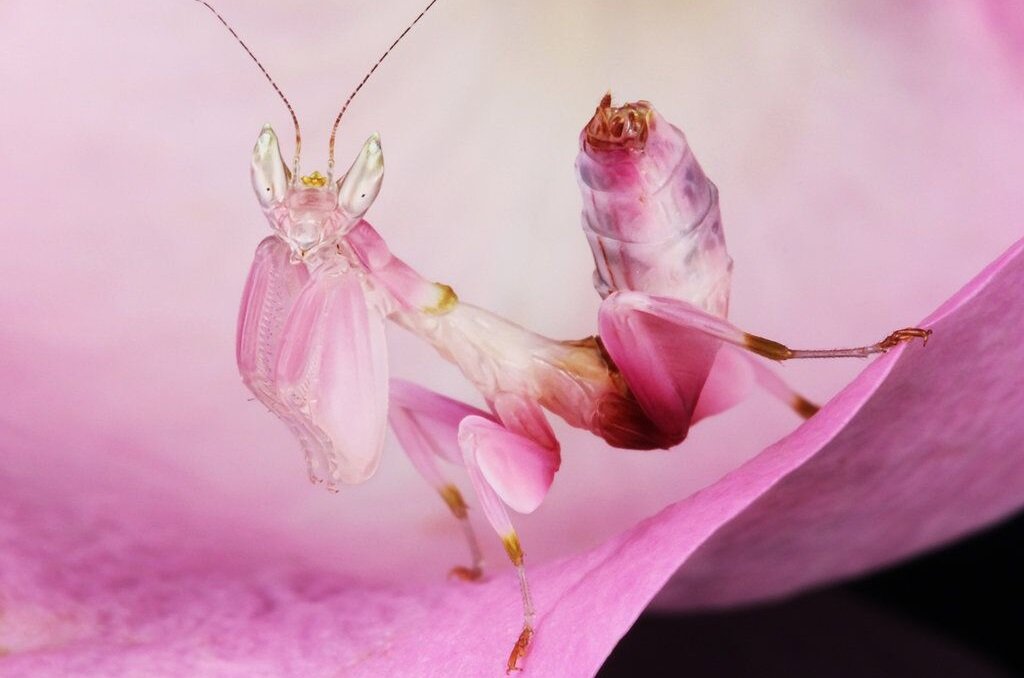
x=433, y=421
x=731, y=379
x=518, y=469
x=664, y=353
x=663, y=346
x=426, y=425
x=522, y=477
x=512, y=461
x=332, y=371
x=519, y=458
x=523, y=416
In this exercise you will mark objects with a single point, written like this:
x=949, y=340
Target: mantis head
x=619, y=127
x=312, y=212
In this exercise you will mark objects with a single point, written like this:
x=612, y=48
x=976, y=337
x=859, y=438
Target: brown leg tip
x=767, y=348
x=519, y=650
x=905, y=335
x=463, y=573
x=804, y=407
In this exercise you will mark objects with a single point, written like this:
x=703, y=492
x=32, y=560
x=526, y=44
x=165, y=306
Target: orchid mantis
x=311, y=348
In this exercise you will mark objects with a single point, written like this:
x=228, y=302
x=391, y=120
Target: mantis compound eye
x=359, y=187
x=270, y=176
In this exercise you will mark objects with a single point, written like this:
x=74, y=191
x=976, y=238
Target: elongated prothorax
x=649, y=212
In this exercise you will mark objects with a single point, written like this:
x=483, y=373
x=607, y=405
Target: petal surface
x=869, y=159
x=842, y=214
x=892, y=465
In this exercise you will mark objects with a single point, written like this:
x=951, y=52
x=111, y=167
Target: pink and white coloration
x=96, y=429
x=310, y=337
x=310, y=330
x=311, y=342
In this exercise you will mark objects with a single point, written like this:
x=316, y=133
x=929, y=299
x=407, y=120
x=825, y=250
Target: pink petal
x=121, y=286
x=895, y=464
x=842, y=214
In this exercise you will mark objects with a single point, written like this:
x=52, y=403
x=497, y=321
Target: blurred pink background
x=869, y=160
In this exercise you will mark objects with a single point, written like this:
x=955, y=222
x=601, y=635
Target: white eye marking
x=361, y=184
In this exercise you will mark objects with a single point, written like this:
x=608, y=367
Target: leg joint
x=513, y=548
x=453, y=498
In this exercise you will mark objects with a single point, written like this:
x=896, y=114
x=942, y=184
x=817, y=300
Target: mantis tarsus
x=311, y=344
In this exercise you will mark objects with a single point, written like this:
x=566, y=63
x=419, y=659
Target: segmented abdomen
x=650, y=213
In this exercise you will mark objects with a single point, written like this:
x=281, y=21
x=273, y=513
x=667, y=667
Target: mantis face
x=312, y=212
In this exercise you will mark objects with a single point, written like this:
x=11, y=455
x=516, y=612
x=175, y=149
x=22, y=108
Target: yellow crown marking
x=314, y=179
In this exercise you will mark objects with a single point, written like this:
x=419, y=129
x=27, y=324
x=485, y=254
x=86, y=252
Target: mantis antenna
x=337, y=121
x=295, y=119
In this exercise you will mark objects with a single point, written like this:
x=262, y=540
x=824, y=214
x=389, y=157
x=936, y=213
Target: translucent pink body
x=649, y=212
x=311, y=346
x=311, y=342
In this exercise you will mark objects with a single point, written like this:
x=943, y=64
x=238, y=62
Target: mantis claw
x=903, y=336
x=463, y=573
x=519, y=650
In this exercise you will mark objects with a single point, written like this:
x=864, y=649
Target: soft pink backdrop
x=869, y=161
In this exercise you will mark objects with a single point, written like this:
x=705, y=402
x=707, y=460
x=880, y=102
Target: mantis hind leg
x=426, y=425
x=683, y=364
x=681, y=314
x=776, y=386
x=511, y=461
x=735, y=373
x=511, y=458
x=666, y=365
